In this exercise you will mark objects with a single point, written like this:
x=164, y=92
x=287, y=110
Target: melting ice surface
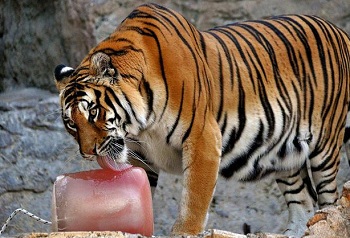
x=103, y=200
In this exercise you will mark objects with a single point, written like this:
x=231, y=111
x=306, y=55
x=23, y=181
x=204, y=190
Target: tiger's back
x=282, y=90
x=245, y=99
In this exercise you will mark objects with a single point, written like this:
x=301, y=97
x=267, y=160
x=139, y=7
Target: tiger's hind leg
x=296, y=188
x=324, y=172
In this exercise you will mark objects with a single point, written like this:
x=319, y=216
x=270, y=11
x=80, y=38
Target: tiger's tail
x=346, y=143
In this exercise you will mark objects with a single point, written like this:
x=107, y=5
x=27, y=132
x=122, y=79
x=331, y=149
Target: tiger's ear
x=62, y=74
x=101, y=67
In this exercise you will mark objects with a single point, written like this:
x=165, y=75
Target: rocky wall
x=37, y=35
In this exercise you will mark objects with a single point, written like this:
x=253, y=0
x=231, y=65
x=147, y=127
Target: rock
x=333, y=221
x=207, y=13
x=345, y=197
x=34, y=38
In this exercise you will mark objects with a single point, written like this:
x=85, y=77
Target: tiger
x=243, y=100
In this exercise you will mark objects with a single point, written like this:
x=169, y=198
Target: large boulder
x=35, y=36
x=208, y=13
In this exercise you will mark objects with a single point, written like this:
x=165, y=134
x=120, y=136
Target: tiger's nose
x=92, y=151
x=120, y=141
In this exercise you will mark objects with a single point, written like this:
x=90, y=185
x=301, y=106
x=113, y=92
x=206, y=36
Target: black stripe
x=224, y=124
x=143, y=15
x=288, y=183
x=235, y=135
x=124, y=50
x=231, y=142
x=322, y=165
x=293, y=202
x=226, y=31
x=322, y=58
x=110, y=104
x=241, y=161
x=227, y=56
x=129, y=76
x=189, y=129
x=280, y=85
x=333, y=164
x=170, y=12
x=150, y=99
x=270, y=117
x=307, y=181
x=151, y=33
x=178, y=114
x=252, y=47
x=116, y=99
x=98, y=96
x=166, y=89
x=323, y=184
x=132, y=109
x=203, y=45
x=295, y=191
x=181, y=34
x=272, y=56
x=290, y=49
x=221, y=79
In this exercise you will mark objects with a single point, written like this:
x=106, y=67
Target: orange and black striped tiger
x=242, y=100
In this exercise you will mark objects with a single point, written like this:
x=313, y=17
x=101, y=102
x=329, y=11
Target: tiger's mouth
x=110, y=154
x=109, y=163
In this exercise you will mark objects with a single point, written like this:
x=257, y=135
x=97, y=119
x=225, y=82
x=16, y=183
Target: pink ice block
x=103, y=200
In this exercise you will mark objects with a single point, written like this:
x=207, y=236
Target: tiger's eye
x=71, y=123
x=93, y=112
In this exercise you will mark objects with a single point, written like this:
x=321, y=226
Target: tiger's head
x=100, y=109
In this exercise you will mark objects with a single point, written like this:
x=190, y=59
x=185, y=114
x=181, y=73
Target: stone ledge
x=211, y=233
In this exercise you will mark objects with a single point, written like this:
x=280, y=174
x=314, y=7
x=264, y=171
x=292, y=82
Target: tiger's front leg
x=201, y=159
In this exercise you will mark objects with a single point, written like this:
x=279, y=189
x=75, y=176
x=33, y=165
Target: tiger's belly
x=160, y=154
x=245, y=167
x=260, y=159
x=249, y=158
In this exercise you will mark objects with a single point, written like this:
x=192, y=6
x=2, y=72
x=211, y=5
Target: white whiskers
x=137, y=142
x=114, y=149
x=137, y=157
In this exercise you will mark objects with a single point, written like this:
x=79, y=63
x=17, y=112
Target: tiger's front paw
x=187, y=227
